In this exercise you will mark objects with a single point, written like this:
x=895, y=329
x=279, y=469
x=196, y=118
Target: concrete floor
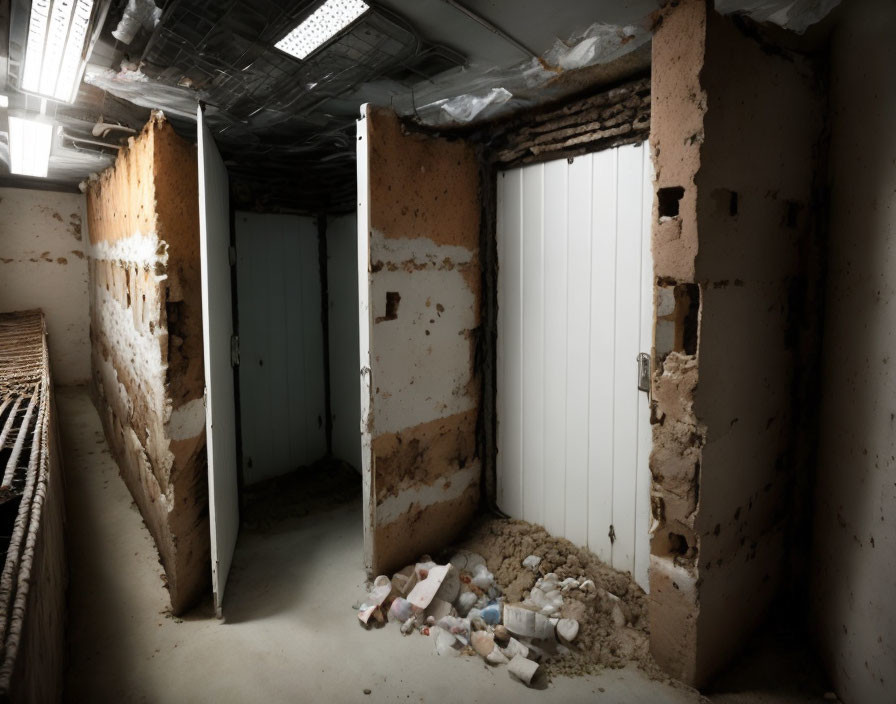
x=289, y=634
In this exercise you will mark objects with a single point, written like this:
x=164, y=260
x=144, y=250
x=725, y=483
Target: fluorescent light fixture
x=321, y=25
x=29, y=146
x=4, y=101
x=57, y=35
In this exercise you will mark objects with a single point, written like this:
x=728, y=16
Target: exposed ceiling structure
x=286, y=126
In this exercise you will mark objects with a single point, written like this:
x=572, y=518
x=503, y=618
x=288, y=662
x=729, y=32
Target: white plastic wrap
x=795, y=15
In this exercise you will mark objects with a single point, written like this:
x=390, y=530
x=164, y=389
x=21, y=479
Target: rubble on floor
x=518, y=597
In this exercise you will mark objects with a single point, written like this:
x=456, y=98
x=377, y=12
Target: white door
x=575, y=308
x=217, y=330
x=281, y=373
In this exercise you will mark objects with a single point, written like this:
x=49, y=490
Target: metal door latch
x=643, y=360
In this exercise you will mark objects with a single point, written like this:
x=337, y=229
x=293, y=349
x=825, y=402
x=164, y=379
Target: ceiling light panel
x=29, y=146
x=320, y=26
x=54, y=54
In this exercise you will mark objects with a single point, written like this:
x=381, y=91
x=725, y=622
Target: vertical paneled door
x=575, y=308
x=281, y=372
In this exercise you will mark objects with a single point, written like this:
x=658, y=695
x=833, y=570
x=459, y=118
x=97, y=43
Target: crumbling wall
x=735, y=125
x=424, y=293
x=146, y=344
x=854, y=556
x=43, y=264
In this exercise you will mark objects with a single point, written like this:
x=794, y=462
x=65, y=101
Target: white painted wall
x=345, y=383
x=43, y=264
x=575, y=307
x=854, y=560
x=282, y=406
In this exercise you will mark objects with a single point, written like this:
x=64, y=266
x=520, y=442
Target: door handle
x=643, y=360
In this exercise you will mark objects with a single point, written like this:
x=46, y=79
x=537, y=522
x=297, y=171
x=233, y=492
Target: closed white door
x=575, y=308
x=281, y=372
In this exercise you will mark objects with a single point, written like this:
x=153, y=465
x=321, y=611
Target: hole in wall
x=678, y=319
x=393, y=298
x=687, y=308
x=732, y=204
x=669, y=199
x=678, y=544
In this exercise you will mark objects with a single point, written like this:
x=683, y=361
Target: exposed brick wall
x=146, y=344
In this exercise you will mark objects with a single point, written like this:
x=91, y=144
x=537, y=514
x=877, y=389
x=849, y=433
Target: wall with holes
x=575, y=308
x=420, y=287
x=43, y=264
x=735, y=129
x=146, y=344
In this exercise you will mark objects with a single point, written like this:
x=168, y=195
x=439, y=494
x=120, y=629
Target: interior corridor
x=288, y=611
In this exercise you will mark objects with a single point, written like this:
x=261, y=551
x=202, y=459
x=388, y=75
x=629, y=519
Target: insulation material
x=732, y=179
x=420, y=296
x=146, y=340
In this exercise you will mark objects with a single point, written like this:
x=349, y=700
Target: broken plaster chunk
x=466, y=560
x=450, y=585
x=567, y=630
x=444, y=642
x=618, y=616
x=437, y=609
x=496, y=657
x=401, y=610
x=381, y=590
x=514, y=648
x=529, y=624
x=483, y=642
x=569, y=583
x=501, y=634
x=588, y=586
x=523, y=669
x=425, y=590
x=532, y=562
x=408, y=626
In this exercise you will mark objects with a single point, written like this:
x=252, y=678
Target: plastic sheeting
x=473, y=93
x=134, y=86
x=795, y=15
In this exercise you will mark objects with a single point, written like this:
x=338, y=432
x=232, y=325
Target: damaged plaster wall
x=146, y=343
x=736, y=123
x=424, y=293
x=854, y=556
x=43, y=264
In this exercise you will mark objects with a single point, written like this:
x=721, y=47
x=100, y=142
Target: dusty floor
x=290, y=633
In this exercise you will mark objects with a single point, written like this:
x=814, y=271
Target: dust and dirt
x=612, y=618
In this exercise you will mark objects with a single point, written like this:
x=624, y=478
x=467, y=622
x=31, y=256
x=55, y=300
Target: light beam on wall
x=55, y=51
x=320, y=26
x=29, y=146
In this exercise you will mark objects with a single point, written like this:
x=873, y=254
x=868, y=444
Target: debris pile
x=516, y=596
